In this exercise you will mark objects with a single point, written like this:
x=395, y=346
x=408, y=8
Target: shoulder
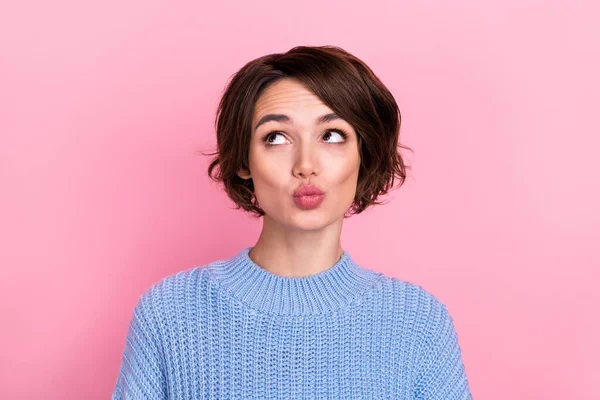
x=431, y=324
x=173, y=291
x=419, y=297
x=418, y=304
x=174, y=284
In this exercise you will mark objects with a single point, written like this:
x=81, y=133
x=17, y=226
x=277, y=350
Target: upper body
x=232, y=329
x=303, y=138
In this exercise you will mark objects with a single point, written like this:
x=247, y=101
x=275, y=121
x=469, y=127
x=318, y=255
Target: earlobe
x=243, y=173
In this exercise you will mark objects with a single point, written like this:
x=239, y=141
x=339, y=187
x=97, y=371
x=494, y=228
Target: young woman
x=305, y=139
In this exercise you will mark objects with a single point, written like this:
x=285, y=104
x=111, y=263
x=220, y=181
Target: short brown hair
x=346, y=85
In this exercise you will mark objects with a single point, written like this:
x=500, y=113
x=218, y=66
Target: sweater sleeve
x=141, y=375
x=440, y=369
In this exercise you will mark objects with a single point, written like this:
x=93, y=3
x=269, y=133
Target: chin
x=312, y=220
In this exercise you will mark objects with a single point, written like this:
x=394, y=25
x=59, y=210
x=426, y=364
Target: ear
x=244, y=173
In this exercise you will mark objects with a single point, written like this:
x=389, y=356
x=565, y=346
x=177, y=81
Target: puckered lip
x=307, y=190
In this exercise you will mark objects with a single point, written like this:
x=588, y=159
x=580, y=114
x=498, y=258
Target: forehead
x=290, y=96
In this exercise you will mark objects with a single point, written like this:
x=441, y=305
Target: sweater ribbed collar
x=314, y=294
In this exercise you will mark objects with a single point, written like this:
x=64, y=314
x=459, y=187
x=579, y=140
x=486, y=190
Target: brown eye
x=338, y=131
x=270, y=135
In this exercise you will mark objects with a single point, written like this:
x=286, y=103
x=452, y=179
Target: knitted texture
x=233, y=330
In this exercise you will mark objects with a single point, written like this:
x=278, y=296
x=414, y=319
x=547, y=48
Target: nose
x=306, y=162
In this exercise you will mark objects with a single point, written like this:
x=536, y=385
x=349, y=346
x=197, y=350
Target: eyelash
x=341, y=132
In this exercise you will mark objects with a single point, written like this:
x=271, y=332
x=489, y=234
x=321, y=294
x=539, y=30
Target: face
x=298, y=148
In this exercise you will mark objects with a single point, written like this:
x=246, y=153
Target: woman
x=303, y=137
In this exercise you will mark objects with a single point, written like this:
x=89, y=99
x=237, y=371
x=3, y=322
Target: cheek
x=348, y=172
x=269, y=172
x=343, y=182
x=269, y=178
x=260, y=164
x=351, y=182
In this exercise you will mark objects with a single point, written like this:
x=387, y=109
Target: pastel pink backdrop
x=104, y=105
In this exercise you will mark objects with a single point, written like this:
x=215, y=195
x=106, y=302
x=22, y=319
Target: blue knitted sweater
x=233, y=330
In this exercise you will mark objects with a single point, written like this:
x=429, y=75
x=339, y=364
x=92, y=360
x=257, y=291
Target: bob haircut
x=346, y=85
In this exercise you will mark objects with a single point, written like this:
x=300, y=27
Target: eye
x=339, y=132
x=274, y=134
x=269, y=135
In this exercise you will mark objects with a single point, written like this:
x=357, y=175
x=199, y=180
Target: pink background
x=104, y=105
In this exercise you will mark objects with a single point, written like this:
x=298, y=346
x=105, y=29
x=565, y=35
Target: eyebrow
x=287, y=120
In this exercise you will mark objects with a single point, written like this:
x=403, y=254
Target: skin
x=296, y=242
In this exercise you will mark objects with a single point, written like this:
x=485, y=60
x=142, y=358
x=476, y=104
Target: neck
x=293, y=252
